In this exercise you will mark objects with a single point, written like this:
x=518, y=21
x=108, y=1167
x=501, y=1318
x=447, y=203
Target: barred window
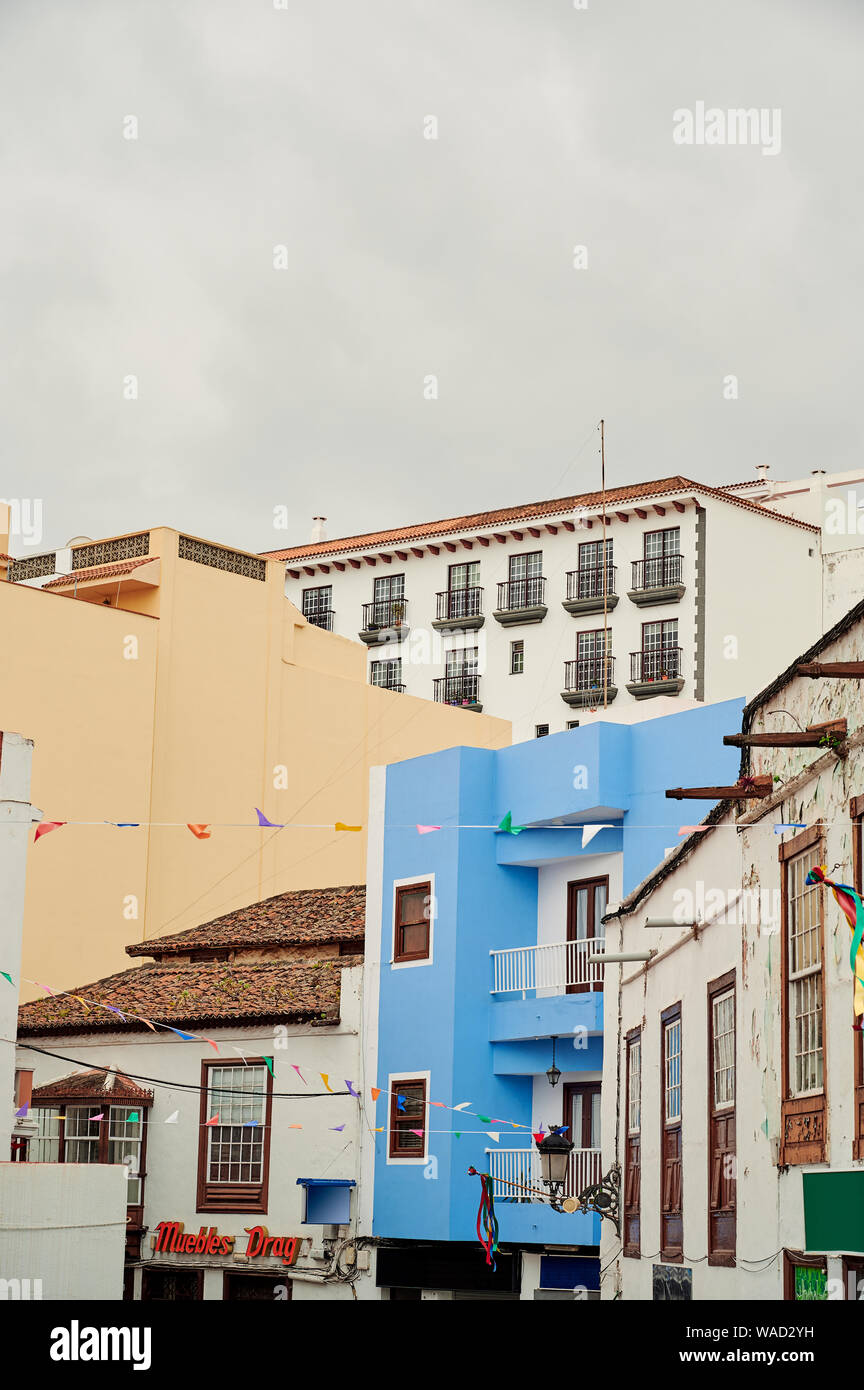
x=806, y=1049
x=723, y=1033
x=234, y=1152
x=634, y=1086
x=672, y=1080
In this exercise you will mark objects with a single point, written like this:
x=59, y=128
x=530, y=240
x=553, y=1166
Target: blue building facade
x=512, y=919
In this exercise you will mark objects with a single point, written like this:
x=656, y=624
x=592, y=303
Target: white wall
x=63, y=1229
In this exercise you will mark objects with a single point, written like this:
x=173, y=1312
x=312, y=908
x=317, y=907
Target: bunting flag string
x=487, y=1223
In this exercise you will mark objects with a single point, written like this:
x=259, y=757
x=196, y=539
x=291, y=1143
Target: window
x=661, y=560
x=407, y=1117
x=68, y=1134
x=525, y=567
x=318, y=605
x=804, y=978
x=526, y=580
x=586, y=932
x=661, y=656
x=386, y=674
x=591, y=555
x=388, y=588
x=234, y=1155
x=656, y=544
x=572, y=723
x=633, y=1144
x=588, y=580
x=517, y=658
x=671, y=1205
x=805, y=1277
x=171, y=1285
x=541, y=730
x=802, y=1003
x=412, y=923
x=463, y=662
x=721, y=1122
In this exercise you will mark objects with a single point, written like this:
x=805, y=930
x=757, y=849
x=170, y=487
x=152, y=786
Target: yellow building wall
x=233, y=701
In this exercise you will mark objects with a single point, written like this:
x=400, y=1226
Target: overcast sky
x=409, y=257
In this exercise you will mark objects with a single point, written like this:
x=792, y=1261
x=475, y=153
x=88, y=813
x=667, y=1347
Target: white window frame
x=430, y=959
x=393, y=1081
x=717, y=1065
x=797, y=977
x=669, y=1086
x=634, y=1087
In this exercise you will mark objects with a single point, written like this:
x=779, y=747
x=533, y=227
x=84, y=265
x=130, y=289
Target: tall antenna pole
x=605, y=571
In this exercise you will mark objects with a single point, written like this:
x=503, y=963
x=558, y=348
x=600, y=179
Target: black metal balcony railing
x=589, y=583
x=589, y=673
x=390, y=685
x=662, y=663
x=657, y=572
x=322, y=617
x=384, y=613
x=457, y=690
x=459, y=603
x=521, y=593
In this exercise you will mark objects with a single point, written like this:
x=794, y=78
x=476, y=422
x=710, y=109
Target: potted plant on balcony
x=397, y=613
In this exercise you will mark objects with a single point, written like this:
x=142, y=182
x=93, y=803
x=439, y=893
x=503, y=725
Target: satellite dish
x=79, y=540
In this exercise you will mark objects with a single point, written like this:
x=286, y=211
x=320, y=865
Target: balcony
x=521, y=601
x=389, y=685
x=559, y=968
x=585, y=590
x=515, y=1169
x=462, y=690
x=657, y=580
x=459, y=608
x=323, y=617
x=655, y=672
x=584, y=680
x=384, y=620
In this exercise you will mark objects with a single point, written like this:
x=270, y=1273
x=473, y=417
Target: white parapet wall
x=62, y=1231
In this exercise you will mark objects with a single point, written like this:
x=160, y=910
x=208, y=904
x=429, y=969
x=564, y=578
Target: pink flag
x=299, y=1073
x=214, y=1121
x=692, y=829
x=427, y=829
x=97, y=1117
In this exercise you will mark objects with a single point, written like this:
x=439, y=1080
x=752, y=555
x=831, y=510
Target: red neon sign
x=172, y=1239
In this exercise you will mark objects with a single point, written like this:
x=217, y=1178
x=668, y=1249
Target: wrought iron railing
x=659, y=664
x=590, y=673
x=384, y=613
x=657, y=572
x=322, y=617
x=589, y=583
x=459, y=603
x=457, y=690
x=521, y=593
x=557, y=966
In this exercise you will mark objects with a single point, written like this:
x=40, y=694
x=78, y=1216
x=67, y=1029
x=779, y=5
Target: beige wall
x=229, y=683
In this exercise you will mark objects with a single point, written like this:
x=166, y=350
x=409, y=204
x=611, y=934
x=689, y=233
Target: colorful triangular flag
x=507, y=825
x=427, y=829
x=325, y=1077
x=262, y=820
x=341, y=826
x=44, y=827
x=201, y=832
x=589, y=831
x=173, y=1118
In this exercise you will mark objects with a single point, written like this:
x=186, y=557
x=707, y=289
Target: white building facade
x=524, y=613
x=740, y=1127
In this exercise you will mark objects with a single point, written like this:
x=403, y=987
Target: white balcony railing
x=555, y=967
x=515, y=1169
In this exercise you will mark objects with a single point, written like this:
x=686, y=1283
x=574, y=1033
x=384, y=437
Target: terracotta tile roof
x=96, y=1084
x=99, y=572
x=207, y=993
x=531, y=511
x=304, y=917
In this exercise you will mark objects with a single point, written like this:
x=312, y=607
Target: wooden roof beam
x=841, y=669
x=811, y=737
x=746, y=788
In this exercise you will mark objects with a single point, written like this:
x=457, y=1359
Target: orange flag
x=201, y=832
x=214, y=1121
x=340, y=826
x=325, y=1077
x=376, y=1091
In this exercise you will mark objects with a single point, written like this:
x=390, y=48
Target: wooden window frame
x=632, y=1249
x=660, y=531
x=517, y=648
x=217, y=1196
x=593, y=920
x=396, y=1083
x=856, y=815
x=726, y=1258
x=401, y=890
x=525, y=555
x=316, y=607
x=134, y=1210
x=595, y=548
x=791, y=1258
x=671, y=1254
x=803, y=1119
x=853, y=1264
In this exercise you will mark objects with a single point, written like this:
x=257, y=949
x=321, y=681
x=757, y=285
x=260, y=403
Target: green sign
x=834, y=1212
x=810, y=1284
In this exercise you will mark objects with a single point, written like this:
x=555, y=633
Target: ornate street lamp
x=555, y=1150
x=553, y=1075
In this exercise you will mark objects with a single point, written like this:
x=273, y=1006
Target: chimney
x=762, y=470
x=319, y=529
